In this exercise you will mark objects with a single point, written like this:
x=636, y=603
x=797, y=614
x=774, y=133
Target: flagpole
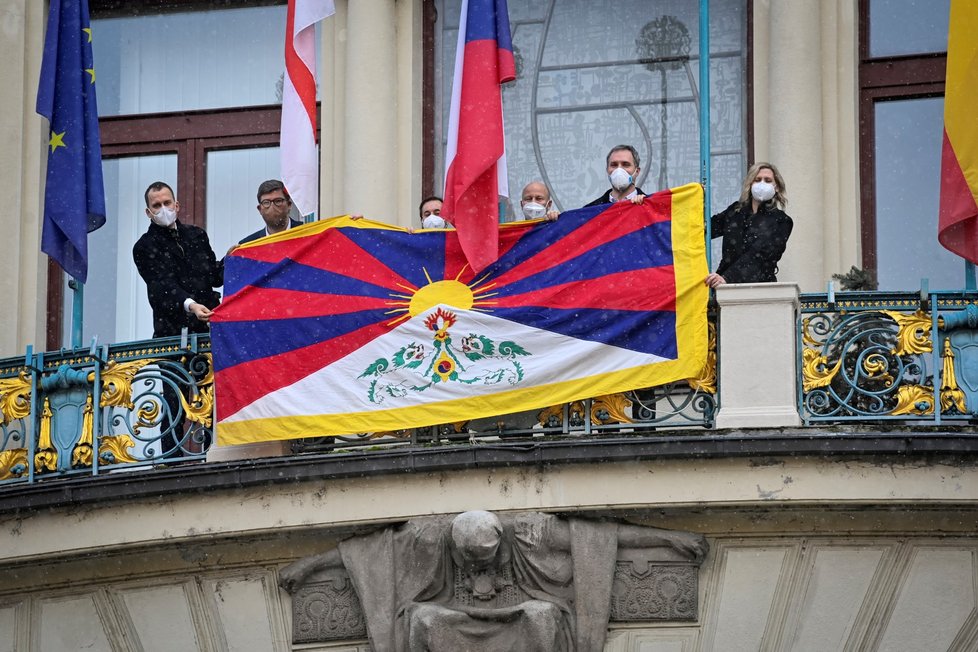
x=77, y=311
x=705, y=118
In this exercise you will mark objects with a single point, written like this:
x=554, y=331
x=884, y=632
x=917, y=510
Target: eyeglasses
x=278, y=201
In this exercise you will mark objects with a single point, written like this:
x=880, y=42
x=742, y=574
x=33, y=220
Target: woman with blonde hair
x=755, y=230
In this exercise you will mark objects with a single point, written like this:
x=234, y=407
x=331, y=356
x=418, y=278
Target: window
x=903, y=47
x=591, y=75
x=189, y=94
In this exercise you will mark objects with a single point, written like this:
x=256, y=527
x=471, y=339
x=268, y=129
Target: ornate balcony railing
x=105, y=408
x=112, y=407
x=872, y=357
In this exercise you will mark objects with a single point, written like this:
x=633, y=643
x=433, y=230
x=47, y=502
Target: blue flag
x=74, y=198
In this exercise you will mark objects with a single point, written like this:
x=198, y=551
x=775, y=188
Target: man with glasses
x=274, y=205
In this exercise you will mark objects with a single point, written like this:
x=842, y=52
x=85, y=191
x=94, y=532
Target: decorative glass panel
x=593, y=75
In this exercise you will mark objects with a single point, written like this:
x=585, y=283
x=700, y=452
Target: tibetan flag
x=475, y=170
x=300, y=158
x=346, y=326
x=958, y=224
x=74, y=197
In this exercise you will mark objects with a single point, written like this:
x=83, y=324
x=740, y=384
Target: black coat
x=752, y=242
x=260, y=233
x=177, y=264
x=606, y=198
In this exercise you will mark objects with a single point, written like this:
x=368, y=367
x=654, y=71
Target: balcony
x=826, y=366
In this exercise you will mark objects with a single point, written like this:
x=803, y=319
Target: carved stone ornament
x=527, y=581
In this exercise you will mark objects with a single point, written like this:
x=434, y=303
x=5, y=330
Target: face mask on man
x=534, y=211
x=165, y=217
x=434, y=222
x=762, y=191
x=620, y=179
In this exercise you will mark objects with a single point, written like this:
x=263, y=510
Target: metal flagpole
x=705, y=119
x=77, y=311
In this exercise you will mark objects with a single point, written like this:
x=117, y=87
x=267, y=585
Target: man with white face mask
x=535, y=202
x=178, y=265
x=430, y=212
x=623, y=170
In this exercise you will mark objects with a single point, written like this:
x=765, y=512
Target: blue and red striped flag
x=74, y=196
x=347, y=326
x=475, y=158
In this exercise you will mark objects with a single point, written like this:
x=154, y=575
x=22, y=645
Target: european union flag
x=74, y=198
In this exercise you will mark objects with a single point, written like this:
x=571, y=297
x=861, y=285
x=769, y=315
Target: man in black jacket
x=180, y=270
x=623, y=170
x=178, y=265
x=274, y=205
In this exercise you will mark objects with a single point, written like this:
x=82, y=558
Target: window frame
x=882, y=79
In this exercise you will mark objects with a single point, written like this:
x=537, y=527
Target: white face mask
x=620, y=179
x=433, y=222
x=534, y=211
x=165, y=217
x=762, y=191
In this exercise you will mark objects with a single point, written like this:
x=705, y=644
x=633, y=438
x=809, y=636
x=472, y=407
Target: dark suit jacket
x=177, y=264
x=260, y=233
x=606, y=198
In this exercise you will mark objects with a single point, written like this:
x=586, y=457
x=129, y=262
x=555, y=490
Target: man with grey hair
x=535, y=202
x=274, y=206
x=623, y=166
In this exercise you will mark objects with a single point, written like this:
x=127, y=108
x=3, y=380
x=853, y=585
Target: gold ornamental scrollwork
x=46, y=457
x=816, y=371
x=117, y=380
x=913, y=335
x=706, y=380
x=914, y=399
x=806, y=334
x=82, y=454
x=616, y=405
x=875, y=366
x=11, y=459
x=118, y=447
x=556, y=412
x=951, y=395
x=15, y=397
x=200, y=408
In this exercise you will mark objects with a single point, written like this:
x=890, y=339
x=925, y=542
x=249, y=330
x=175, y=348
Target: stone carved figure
x=525, y=582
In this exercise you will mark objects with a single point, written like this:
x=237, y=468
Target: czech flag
x=347, y=326
x=475, y=158
x=958, y=223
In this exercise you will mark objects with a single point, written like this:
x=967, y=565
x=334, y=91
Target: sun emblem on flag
x=476, y=359
x=450, y=292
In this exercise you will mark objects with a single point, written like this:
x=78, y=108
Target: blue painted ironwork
x=91, y=411
x=85, y=411
x=872, y=357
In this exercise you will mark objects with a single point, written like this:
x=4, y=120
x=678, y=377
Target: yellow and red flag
x=958, y=226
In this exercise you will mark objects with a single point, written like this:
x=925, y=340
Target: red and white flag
x=475, y=159
x=300, y=161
